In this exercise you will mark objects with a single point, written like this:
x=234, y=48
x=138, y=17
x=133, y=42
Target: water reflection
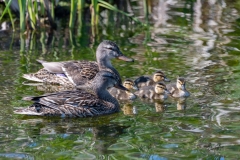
x=17, y=156
x=129, y=109
x=86, y=133
x=195, y=39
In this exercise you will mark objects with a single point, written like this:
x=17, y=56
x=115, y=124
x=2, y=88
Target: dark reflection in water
x=33, y=132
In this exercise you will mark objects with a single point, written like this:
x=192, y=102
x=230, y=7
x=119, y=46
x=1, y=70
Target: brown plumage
x=178, y=89
x=124, y=95
x=157, y=91
x=158, y=76
x=90, y=100
x=79, y=72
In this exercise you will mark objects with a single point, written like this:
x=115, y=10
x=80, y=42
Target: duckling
x=124, y=95
x=129, y=109
x=93, y=100
x=158, y=91
x=79, y=72
x=158, y=76
x=178, y=89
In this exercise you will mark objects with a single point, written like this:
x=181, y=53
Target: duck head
x=108, y=50
x=104, y=80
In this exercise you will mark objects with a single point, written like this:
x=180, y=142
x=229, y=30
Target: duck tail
x=40, y=61
x=29, y=98
x=32, y=77
x=26, y=111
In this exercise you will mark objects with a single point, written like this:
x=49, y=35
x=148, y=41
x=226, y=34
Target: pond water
x=198, y=40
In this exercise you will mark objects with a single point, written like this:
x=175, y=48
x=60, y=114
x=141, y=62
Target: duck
x=178, y=89
x=79, y=72
x=124, y=95
x=92, y=100
x=158, y=91
x=157, y=76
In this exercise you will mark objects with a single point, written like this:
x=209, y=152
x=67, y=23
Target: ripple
x=120, y=146
x=85, y=155
x=17, y=155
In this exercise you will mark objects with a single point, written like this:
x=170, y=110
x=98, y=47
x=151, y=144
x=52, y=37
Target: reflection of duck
x=159, y=106
x=79, y=72
x=129, y=109
x=178, y=89
x=181, y=104
x=158, y=76
x=95, y=100
x=158, y=91
x=124, y=95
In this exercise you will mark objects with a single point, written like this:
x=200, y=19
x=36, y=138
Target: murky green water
x=199, y=41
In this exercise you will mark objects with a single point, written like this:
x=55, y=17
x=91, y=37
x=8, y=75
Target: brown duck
x=93, y=100
x=79, y=72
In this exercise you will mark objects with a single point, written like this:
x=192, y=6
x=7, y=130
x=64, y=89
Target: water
x=198, y=40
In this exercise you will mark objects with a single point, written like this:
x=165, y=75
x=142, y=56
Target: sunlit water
x=197, y=40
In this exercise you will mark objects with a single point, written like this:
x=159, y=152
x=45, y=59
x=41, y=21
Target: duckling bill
x=178, y=89
x=94, y=100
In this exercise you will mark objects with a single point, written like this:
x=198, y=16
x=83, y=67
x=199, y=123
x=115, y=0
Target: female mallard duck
x=158, y=91
x=79, y=72
x=124, y=95
x=178, y=89
x=93, y=100
x=158, y=76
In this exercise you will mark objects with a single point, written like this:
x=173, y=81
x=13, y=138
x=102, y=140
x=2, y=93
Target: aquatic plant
x=30, y=12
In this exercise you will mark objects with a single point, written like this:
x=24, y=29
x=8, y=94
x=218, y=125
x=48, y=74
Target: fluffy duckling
x=158, y=76
x=157, y=91
x=178, y=89
x=124, y=95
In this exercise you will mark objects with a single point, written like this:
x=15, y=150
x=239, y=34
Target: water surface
x=198, y=40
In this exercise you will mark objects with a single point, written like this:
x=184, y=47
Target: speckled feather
x=94, y=100
x=79, y=72
x=77, y=103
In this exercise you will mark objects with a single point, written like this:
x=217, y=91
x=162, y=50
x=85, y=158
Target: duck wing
x=53, y=67
x=171, y=88
x=79, y=72
x=142, y=81
x=77, y=103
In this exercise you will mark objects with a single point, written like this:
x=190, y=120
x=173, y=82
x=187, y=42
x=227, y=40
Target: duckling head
x=108, y=50
x=160, y=88
x=181, y=83
x=129, y=84
x=159, y=76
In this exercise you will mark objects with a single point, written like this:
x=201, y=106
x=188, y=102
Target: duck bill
x=124, y=58
x=183, y=87
x=167, y=92
x=166, y=79
x=135, y=87
x=119, y=86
